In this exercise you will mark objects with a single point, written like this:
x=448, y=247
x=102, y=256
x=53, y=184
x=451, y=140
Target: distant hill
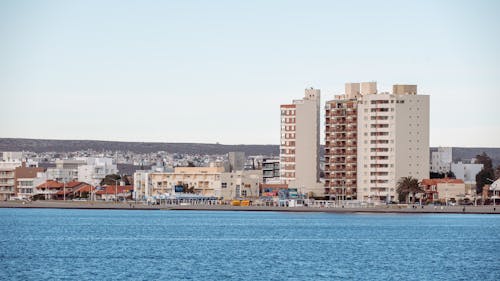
x=40, y=145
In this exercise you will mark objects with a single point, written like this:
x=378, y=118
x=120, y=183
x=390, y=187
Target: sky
x=217, y=71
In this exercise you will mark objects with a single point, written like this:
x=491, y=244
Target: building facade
x=203, y=181
x=393, y=140
x=299, y=143
x=271, y=170
x=441, y=160
x=95, y=170
x=8, y=163
x=341, y=122
x=466, y=171
x=26, y=180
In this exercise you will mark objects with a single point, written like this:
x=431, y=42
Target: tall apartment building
x=341, y=121
x=299, y=145
x=373, y=139
x=393, y=140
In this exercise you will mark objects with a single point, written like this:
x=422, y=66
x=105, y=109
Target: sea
x=55, y=244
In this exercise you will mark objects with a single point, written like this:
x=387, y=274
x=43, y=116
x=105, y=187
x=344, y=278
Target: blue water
x=46, y=244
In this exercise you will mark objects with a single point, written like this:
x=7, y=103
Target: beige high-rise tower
x=299, y=146
x=392, y=141
x=393, y=138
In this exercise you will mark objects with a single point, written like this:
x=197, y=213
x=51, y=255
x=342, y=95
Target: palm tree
x=408, y=186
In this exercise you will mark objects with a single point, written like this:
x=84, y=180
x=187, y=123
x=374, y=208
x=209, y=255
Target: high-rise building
x=393, y=141
x=299, y=146
x=373, y=139
x=341, y=121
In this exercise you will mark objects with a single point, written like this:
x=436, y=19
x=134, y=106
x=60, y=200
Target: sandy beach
x=141, y=206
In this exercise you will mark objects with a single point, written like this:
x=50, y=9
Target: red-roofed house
x=48, y=190
x=54, y=190
x=111, y=192
x=443, y=190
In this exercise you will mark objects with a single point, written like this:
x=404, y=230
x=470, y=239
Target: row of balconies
x=339, y=184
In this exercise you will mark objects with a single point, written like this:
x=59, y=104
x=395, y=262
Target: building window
x=223, y=185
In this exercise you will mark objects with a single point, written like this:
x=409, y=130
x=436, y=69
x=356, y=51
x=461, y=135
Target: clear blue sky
x=217, y=71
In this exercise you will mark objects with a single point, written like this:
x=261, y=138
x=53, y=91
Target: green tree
x=486, y=175
x=408, y=186
x=110, y=179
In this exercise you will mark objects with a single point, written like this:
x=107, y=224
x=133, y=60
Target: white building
x=8, y=163
x=441, y=160
x=393, y=140
x=299, y=145
x=95, y=170
x=466, y=171
x=203, y=181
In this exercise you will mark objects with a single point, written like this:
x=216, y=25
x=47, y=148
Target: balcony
x=6, y=175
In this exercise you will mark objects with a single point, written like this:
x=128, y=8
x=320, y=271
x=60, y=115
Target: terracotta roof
x=61, y=192
x=72, y=184
x=51, y=184
x=110, y=189
x=84, y=187
x=437, y=181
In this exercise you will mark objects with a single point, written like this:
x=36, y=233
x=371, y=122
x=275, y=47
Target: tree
x=408, y=186
x=486, y=175
x=110, y=179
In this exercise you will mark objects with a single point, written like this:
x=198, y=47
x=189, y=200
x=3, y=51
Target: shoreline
x=140, y=206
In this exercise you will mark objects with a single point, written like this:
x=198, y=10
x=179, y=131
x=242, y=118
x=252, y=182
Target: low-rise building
x=9, y=161
x=240, y=184
x=48, y=190
x=444, y=190
x=112, y=192
x=96, y=170
x=26, y=180
x=203, y=181
x=466, y=171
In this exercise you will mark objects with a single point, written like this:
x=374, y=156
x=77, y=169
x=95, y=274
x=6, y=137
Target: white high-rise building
x=393, y=140
x=299, y=146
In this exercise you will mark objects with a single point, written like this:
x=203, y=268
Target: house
x=48, y=190
x=112, y=192
x=444, y=190
x=54, y=190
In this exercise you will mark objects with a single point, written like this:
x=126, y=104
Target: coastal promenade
x=141, y=206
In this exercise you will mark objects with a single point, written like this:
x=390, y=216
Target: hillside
x=39, y=145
